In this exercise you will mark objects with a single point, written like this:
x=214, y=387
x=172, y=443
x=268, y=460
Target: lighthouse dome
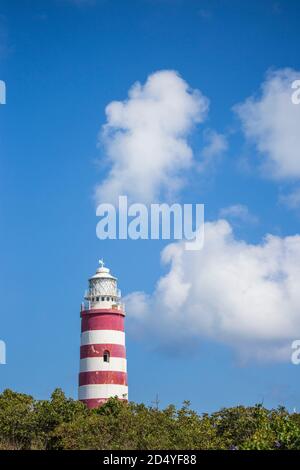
x=103, y=291
x=103, y=273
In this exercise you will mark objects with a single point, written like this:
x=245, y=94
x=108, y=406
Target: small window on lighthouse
x=106, y=356
x=102, y=298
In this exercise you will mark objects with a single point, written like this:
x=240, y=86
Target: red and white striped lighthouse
x=103, y=366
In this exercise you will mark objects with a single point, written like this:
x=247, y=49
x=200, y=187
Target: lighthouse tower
x=103, y=368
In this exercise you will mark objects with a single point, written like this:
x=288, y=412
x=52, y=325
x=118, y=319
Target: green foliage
x=278, y=430
x=50, y=414
x=16, y=420
x=64, y=423
x=235, y=425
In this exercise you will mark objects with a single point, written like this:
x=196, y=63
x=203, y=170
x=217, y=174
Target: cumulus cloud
x=215, y=144
x=238, y=212
x=292, y=199
x=240, y=294
x=145, y=138
x=272, y=122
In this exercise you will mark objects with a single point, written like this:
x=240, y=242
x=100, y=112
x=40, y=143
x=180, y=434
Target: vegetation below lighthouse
x=64, y=423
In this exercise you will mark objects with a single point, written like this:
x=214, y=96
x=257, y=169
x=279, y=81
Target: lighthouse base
x=97, y=402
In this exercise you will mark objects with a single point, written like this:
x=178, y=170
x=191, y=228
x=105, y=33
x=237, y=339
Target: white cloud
x=238, y=212
x=145, y=138
x=291, y=200
x=215, y=145
x=240, y=294
x=272, y=122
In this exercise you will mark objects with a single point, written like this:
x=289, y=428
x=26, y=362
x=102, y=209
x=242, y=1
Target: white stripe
x=90, y=364
x=103, y=337
x=102, y=391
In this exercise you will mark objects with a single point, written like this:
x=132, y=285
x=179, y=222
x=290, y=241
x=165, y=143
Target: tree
x=64, y=423
x=52, y=413
x=16, y=420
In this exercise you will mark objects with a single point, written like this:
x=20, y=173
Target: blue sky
x=63, y=62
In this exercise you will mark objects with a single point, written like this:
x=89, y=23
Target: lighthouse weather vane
x=101, y=262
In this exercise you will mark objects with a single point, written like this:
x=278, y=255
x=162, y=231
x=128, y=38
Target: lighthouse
x=103, y=365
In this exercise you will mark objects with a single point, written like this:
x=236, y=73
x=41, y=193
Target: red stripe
x=95, y=402
x=97, y=350
x=92, y=311
x=103, y=377
x=102, y=322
